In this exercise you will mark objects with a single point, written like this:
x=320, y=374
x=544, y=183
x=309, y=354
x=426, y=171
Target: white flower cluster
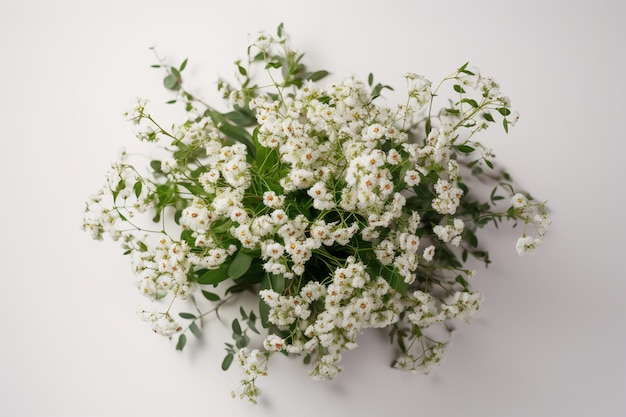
x=353, y=301
x=162, y=323
x=423, y=311
x=422, y=364
x=334, y=150
x=163, y=269
x=541, y=223
x=450, y=233
x=123, y=183
x=253, y=364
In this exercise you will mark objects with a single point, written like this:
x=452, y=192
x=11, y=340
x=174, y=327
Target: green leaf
x=234, y=289
x=378, y=89
x=187, y=236
x=210, y=296
x=370, y=79
x=252, y=322
x=395, y=280
x=120, y=186
x=183, y=65
x=488, y=117
x=462, y=281
x=171, y=83
x=182, y=339
x=505, y=123
x=215, y=276
x=401, y=343
x=137, y=188
x=228, y=360
x=166, y=193
x=177, y=215
x=259, y=57
x=465, y=148
x=458, y=88
x=242, y=70
x=484, y=255
x=463, y=69
x=279, y=30
x=317, y=75
x=196, y=190
x=493, y=196
x=470, y=237
x=504, y=111
x=193, y=327
x=489, y=163
x=236, y=327
x=156, y=166
x=240, y=265
x=469, y=101
x=187, y=315
x=241, y=117
x=254, y=275
x=463, y=187
x=273, y=64
x=221, y=226
x=252, y=326
x=242, y=341
x=277, y=283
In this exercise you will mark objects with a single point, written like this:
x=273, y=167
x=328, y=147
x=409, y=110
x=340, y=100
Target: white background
x=550, y=339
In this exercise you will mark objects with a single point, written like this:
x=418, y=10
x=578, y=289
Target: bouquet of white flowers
x=337, y=212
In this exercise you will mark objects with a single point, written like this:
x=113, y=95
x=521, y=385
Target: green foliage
x=239, y=335
x=215, y=276
x=240, y=265
x=228, y=360
x=182, y=340
x=210, y=296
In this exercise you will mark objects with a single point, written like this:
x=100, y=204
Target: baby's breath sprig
x=337, y=213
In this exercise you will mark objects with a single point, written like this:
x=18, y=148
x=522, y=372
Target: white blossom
x=527, y=245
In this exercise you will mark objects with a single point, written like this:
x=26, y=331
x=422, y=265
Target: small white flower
x=412, y=178
x=274, y=343
x=270, y=199
x=527, y=245
x=429, y=253
x=542, y=223
x=262, y=41
x=519, y=200
x=136, y=113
